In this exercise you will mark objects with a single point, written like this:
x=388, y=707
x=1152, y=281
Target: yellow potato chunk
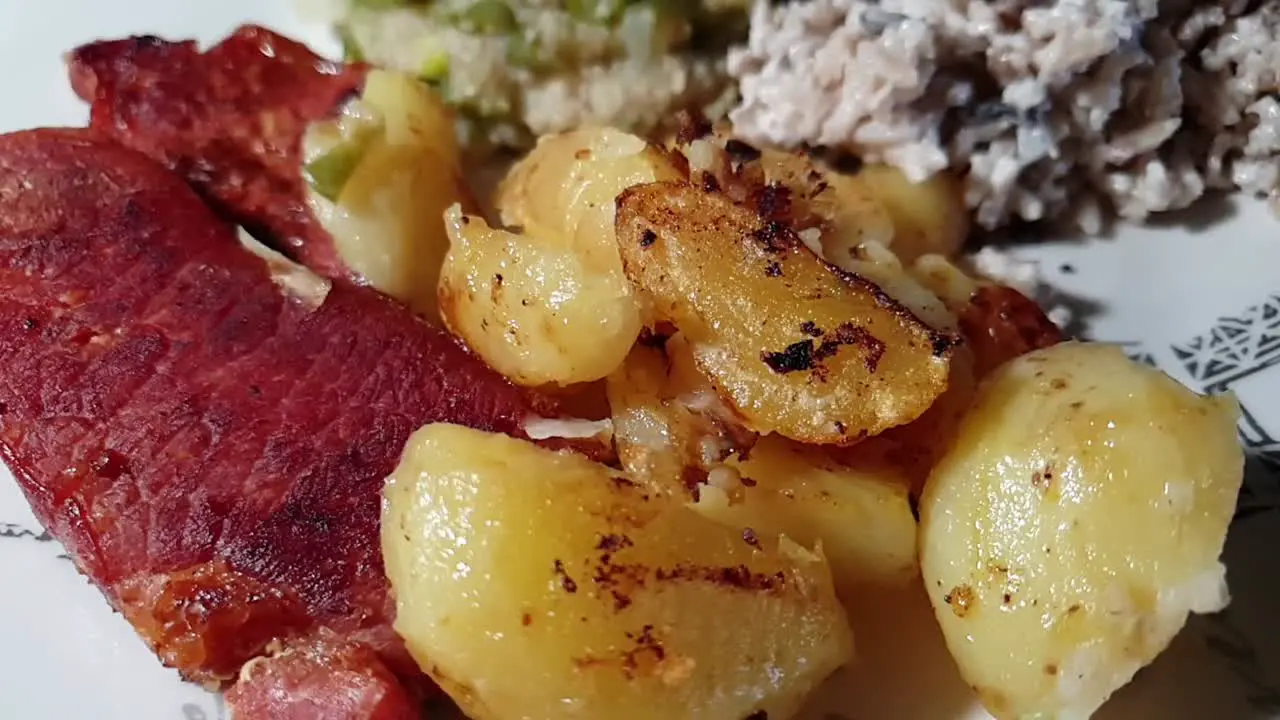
x=531, y=584
x=563, y=191
x=570, y=316
x=382, y=175
x=796, y=346
x=928, y=217
x=913, y=449
x=1074, y=524
x=861, y=517
x=538, y=314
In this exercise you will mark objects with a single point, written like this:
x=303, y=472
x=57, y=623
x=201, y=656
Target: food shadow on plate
x=902, y=669
x=1081, y=310
x=1203, y=215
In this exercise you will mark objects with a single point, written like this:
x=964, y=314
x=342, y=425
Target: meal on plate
x=340, y=437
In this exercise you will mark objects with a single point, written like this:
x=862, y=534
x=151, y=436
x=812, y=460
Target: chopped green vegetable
x=492, y=17
x=328, y=174
x=435, y=67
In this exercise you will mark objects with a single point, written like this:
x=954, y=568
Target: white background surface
x=63, y=655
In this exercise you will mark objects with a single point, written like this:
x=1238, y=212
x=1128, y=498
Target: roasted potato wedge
x=861, y=517
x=928, y=217
x=382, y=175
x=795, y=345
x=532, y=584
x=536, y=313
x=1077, y=519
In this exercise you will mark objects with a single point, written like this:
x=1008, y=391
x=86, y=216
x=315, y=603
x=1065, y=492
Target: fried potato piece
x=563, y=191
x=535, y=584
x=912, y=450
x=1074, y=524
x=382, y=175
x=571, y=316
x=795, y=345
x=928, y=217
x=849, y=202
x=538, y=314
x=860, y=516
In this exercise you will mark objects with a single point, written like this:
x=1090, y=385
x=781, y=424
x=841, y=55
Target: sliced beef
x=230, y=120
x=208, y=440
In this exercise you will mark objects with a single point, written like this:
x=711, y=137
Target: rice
x=546, y=69
x=1066, y=110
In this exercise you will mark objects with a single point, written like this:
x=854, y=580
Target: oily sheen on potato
x=876, y=204
x=538, y=314
x=563, y=191
x=566, y=313
x=861, y=517
x=532, y=584
x=405, y=170
x=1076, y=521
x=797, y=346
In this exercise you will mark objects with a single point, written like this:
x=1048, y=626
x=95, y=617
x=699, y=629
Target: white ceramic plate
x=1200, y=299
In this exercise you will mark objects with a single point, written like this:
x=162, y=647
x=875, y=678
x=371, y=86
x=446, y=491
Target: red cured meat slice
x=209, y=446
x=229, y=120
x=323, y=679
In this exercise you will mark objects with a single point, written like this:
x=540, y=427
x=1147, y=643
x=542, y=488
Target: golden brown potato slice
x=566, y=313
x=928, y=217
x=535, y=312
x=913, y=449
x=851, y=203
x=563, y=191
x=796, y=346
